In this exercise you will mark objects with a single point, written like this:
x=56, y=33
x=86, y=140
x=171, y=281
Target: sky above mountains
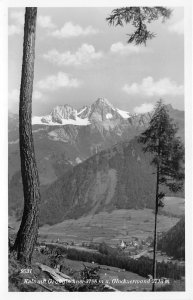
x=79, y=58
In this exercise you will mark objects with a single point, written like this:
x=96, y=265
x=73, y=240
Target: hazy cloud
x=13, y=96
x=37, y=95
x=14, y=29
x=149, y=87
x=120, y=48
x=60, y=80
x=18, y=18
x=46, y=22
x=177, y=27
x=85, y=54
x=143, y=108
x=71, y=30
x=13, y=99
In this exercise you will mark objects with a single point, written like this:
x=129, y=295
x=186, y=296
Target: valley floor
x=111, y=227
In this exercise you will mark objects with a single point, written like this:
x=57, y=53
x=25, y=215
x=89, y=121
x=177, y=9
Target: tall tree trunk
x=155, y=230
x=28, y=231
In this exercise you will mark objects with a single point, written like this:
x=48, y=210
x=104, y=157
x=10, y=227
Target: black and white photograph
x=98, y=148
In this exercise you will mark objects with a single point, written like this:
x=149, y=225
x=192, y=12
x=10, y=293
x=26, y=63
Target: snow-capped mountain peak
x=61, y=115
x=101, y=112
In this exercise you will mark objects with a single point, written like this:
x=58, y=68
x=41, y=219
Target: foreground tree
x=168, y=159
x=138, y=17
x=27, y=234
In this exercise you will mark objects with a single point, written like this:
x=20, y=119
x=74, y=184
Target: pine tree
x=168, y=159
x=138, y=17
x=27, y=234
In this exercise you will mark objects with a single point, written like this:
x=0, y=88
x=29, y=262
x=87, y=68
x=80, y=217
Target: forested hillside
x=173, y=241
x=120, y=177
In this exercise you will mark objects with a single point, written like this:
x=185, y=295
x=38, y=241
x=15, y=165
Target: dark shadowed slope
x=173, y=241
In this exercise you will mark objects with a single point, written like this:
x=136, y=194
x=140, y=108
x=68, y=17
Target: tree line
x=113, y=258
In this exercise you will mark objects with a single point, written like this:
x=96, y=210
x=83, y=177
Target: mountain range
x=87, y=160
x=101, y=111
